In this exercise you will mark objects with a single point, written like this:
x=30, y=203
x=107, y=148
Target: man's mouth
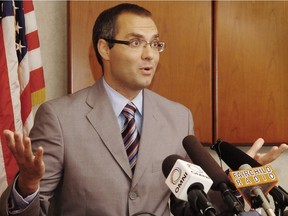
x=148, y=68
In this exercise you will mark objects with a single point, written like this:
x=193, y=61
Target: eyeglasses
x=137, y=43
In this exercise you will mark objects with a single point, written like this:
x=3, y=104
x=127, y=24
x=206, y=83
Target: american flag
x=21, y=77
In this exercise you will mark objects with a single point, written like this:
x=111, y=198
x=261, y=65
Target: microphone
x=255, y=191
x=234, y=158
x=246, y=179
x=188, y=182
x=221, y=182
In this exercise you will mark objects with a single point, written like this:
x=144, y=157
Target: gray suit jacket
x=87, y=170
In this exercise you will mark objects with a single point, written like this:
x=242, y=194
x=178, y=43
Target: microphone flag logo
x=247, y=179
x=175, y=175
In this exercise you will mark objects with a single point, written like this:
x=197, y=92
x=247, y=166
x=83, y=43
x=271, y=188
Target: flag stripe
x=6, y=119
x=6, y=111
x=28, y=6
x=26, y=103
x=36, y=79
x=32, y=40
x=31, y=19
x=34, y=58
x=5, y=115
x=12, y=66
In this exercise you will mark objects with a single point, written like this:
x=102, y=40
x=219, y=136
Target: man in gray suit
x=80, y=166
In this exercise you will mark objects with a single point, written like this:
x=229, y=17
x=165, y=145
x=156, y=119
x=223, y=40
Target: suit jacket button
x=133, y=195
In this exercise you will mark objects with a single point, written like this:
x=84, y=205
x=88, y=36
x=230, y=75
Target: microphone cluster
x=191, y=182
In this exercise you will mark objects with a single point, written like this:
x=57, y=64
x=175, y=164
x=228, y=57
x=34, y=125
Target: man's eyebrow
x=140, y=36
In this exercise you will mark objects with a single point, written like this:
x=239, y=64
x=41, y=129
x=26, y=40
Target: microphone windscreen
x=168, y=163
x=233, y=156
x=201, y=157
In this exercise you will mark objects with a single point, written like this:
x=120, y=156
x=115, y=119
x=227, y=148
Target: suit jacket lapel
x=102, y=118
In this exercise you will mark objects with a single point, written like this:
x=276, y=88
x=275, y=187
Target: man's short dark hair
x=105, y=25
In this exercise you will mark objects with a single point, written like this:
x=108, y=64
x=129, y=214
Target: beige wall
x=52, y=27
x=52, y=24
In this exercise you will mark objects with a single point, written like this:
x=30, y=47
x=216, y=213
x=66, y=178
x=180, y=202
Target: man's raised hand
x=31, y=166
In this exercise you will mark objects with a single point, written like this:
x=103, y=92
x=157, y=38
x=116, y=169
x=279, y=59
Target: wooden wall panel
x=251, y=71
x=184, y=73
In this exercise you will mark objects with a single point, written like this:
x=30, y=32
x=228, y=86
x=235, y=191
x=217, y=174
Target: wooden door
x=251, y=71
x=184, y=73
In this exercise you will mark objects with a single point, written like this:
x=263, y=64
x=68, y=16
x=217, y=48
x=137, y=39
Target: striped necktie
x=130, y=134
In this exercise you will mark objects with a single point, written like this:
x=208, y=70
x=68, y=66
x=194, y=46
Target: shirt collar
x=118, y=101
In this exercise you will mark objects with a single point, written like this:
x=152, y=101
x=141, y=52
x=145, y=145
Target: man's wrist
x=17, y=202
x=25, y=189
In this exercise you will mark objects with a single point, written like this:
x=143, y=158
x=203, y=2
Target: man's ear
x=103, y=49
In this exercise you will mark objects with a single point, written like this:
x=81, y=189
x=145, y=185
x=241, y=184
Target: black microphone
x=235, y=158
x=188, y=182
x=201, y=157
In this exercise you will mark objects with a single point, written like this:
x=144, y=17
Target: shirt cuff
x=17, y=202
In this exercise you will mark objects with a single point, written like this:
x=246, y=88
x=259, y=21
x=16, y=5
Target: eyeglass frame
x=128, y=43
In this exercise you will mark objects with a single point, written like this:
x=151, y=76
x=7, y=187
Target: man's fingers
x=276, y=151
x=19, y=144
x=38, y=161
x=21, y=148
x=9, y=137
x=283, y=147
x=255, y=147
x=8, y=134
x=28, y=154
x=272, y=154
x=39, y=156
